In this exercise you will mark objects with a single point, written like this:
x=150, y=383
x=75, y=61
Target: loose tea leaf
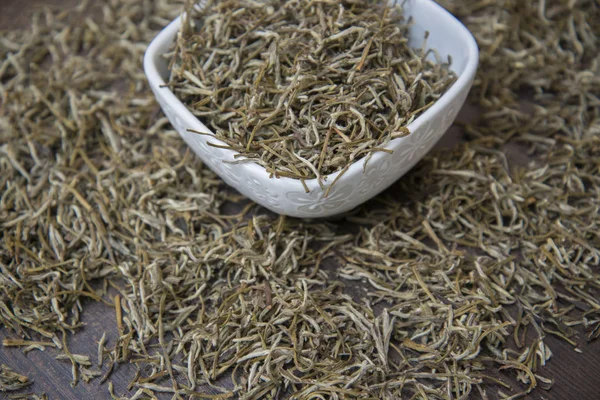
x=11, y=381
x=303, y=88
x=445, y=286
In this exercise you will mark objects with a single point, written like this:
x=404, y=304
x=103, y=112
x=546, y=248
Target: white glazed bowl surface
x=287, y=196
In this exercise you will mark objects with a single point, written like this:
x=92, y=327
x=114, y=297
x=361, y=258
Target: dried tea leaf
x=446, y=285
x=303, y=88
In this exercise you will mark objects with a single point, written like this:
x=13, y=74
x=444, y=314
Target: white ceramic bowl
x=286, y=195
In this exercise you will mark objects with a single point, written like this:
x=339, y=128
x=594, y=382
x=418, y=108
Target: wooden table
x=576, y=375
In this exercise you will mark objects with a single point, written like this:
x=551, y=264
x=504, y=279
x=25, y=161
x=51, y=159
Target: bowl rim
x=167, y=35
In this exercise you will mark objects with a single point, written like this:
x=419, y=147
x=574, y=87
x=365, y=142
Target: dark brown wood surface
x=576, y=375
